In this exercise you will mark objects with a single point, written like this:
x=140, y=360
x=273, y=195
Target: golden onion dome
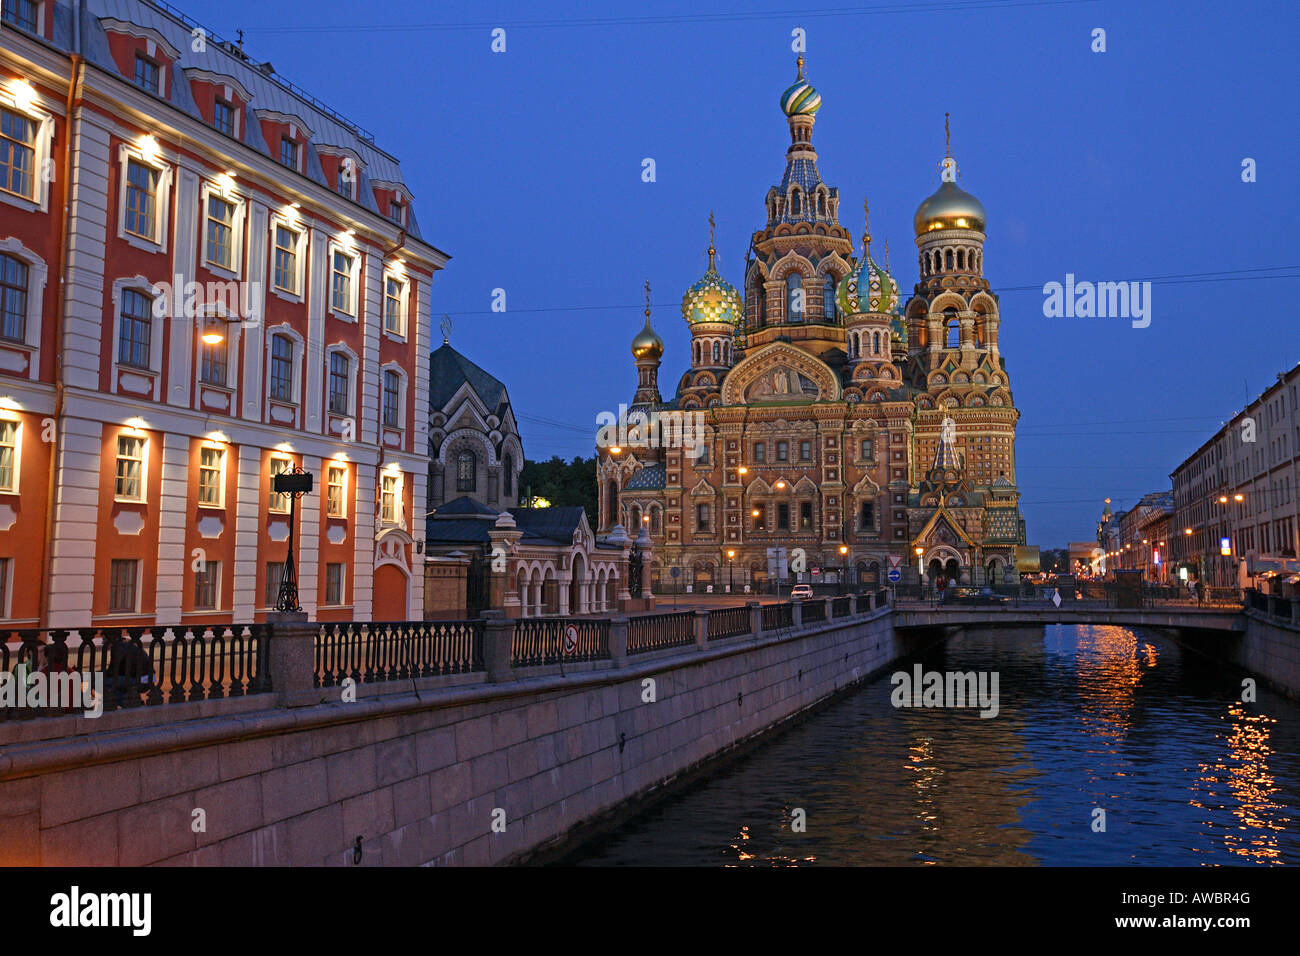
x=647, y=343
x=950, y=207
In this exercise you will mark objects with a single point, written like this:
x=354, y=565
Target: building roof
x=449, y=370
x=464, y=505
x=650, y=478
x=548, y=524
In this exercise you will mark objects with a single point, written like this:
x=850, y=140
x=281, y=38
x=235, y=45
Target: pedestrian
x=1200, y=592
x=128, y=673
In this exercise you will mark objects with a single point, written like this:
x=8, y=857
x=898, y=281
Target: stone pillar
x=755, y=617
x=498, y=646
x=292, y=659
x=618, y=641
x=701, y=628
x=830, y=608
x=796, y=612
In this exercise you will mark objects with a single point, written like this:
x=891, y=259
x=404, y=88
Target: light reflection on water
x=1090, y=717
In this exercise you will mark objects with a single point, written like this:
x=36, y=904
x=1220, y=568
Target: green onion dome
x=712, y=298
x=867, y=287
x=801, y=98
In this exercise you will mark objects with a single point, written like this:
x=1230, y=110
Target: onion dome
x=867, y=287
x=712, y=298
x=647, y=343
x=951, y=207
x=801, y=99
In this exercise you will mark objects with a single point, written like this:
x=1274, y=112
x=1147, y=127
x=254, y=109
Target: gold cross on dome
x=647, y=298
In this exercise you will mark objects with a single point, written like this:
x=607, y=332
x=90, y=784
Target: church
x=837, y=419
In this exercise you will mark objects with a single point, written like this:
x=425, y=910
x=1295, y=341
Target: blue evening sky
x=526, y=168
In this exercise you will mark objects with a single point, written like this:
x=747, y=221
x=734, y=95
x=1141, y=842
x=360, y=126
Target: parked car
x=801, y=591
x=969, y=595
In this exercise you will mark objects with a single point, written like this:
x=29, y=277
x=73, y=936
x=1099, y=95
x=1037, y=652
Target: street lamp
x=920, y=582
x=844, y=567
x=295, y=483
x=731, y=583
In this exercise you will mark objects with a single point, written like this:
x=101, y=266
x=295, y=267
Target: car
x=969, y=595
x=801, y=591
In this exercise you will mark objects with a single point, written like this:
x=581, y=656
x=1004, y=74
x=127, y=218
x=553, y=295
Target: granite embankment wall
x=414, y=772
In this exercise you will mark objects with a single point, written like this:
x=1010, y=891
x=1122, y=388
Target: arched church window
x=762, y=305
x=875, y=342
x=821, y=203
x=717, y=352
x=954, y=329
x=948, y=258
x=612, y=505
x=466, y=469
x=508, y=476
x=961, y=258
x=828, y=296
x=794, y=297
x=794, y=202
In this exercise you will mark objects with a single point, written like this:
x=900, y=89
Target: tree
x=562, y=483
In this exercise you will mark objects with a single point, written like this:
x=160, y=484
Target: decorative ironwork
x=295, y=483
x=654, y=632
x=634, y=563
x=728, y=622
x=540, y=641
x=371, y=653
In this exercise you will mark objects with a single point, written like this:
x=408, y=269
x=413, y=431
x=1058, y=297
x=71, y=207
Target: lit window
x=141, y=199
x=223, y=117
x=135, y=329
x=8, y=460
x=205, y=586
x=336, y=480
x=121, y=586
x=129, y=484
x=389, y=495
x=221, y=218
x=286, y=259
x=212, y=369
x=279, y=503
x=341, y=285
x=21, y=13
x=338, y=403
x=288, y=152
x=13, y=299
x=146, y=73
x=392, y=399
x=466, y=471
x=281, y=368
x=334, y=584
x=211, y=487
x=394, y=321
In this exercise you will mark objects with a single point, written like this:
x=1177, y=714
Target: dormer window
x=288, y=152
x=397, y=212
x=146, y=74
x=21, y=13
x=223, y=117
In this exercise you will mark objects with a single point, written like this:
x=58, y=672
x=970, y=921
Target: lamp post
x=844, y=568
x=920, y=579
x=295, y=483
x=731, y=582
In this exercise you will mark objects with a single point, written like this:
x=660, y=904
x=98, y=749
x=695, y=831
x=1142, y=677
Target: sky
x=526, y=167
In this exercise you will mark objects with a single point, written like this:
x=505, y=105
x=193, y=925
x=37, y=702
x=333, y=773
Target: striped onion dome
x=801, y=99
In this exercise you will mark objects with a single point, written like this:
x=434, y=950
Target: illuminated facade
x=835, y=418
x=236, y=285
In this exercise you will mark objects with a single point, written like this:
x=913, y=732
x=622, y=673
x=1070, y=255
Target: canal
x=1089, y=717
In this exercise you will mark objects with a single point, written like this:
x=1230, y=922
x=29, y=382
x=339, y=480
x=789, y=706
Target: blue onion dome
x=867, y=287
x=801, y=99
x=712, y=298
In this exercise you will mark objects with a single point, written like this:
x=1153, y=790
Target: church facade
x=838, y=421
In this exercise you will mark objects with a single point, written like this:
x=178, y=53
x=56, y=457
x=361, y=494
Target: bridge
x=1227, y=619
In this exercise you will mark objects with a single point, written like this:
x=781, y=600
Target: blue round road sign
x=895, y=575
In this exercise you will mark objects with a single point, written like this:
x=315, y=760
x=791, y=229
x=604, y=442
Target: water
x=1090, y=717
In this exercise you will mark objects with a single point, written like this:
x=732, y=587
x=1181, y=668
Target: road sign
x=676, y=572
x=895, y=560
x=571, y=639
x=895, y=575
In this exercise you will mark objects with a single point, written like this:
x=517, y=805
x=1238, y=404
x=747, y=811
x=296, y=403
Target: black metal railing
x=813, y=611
x=777, y=616
x=559, y=640
x=841, y=607
x=369, y=653
x=654, y=632
x=135, y=666
x=728, y=622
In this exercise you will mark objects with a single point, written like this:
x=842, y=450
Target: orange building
x=206, y=276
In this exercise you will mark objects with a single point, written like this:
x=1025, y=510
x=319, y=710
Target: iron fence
x=540, y=641
x=728, y=622
x=373, y=652
x=653, y=632
x=777, y=616
x=842, y=607
x=813, y=611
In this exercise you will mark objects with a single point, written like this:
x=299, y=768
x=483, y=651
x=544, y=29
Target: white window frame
x=220, y=503
x=142, y=285
x=144, y=467
x=404, y=300
x=401, y=395
x=344, y=154
x=37, y=275
x=18, y=453
x=298, y=352
x=353, y=365
x=156, y=46
x=40, y=17
x=42, y=150
x=139, y=588
x=343, y=584
x=233, y=197
x=330, y=468
x=354, y=284
x=288, y=508
x=300, y=256
x=215, y=567
x=399, y=489
x=298, y=131
x=162, y=194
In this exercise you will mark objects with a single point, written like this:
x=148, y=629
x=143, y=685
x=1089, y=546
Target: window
x=868, y=516
x=288, y=152
x=8, y=461
x=466, y=467
x=205, y=586
x=805, y=451
x=333, y=583
x=389, y=496
x=341, y=285
x=760, y=453
x=347, y=172
x=783, y=517
x=717, y=352
x=21, y=13
x=212, y=462
x=396, y=212
x=282, y=368
x=141, y=197
x=212, y=369
x=13, y=299
x=805, y=516
x=338, y=403
x=279, y=503
x=868, y=449
x=508, y=475
x=703, y=457
x=782, y=451
x=392, y=399
x=121, y=586
x=702, y=517
x=794, y=297
x=221, y=219
x=223, y=117
x=135, y=329
x=336, y=483
x=394, y=321
x=4, y=587
x=828, y=296
x=146, y=74
x=760, y=519
x=130, y=468
x=17, y=154
x=286, y=259
x=274, y=576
